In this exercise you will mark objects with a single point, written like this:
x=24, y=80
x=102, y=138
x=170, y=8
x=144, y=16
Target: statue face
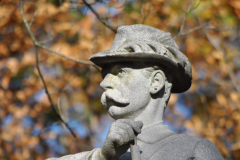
x=126, y=90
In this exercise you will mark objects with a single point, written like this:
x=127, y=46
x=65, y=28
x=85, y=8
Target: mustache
x=114, y=95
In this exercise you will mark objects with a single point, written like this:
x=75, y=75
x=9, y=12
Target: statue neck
x=153, y=112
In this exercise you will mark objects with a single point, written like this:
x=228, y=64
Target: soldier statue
x=140, y=71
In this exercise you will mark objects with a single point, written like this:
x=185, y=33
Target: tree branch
x=37, y=43
x=144, y=16
x=225, y=59
x=115, y=4
x=98, y=17
x=49, y=97
x=190, y=8
x=34, y=15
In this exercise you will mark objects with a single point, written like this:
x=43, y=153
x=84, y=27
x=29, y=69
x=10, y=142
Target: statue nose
x=107, y=82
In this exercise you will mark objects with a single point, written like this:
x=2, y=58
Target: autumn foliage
x=35, y=124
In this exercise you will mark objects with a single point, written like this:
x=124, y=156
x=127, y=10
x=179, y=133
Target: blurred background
x=68, y=118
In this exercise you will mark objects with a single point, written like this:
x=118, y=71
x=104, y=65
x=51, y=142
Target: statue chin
x=115, y=113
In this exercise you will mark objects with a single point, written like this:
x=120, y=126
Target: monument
x=140, y=71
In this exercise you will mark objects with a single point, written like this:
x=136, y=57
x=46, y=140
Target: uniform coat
x=158, y=142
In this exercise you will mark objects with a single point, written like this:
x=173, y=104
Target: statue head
x=143, y=67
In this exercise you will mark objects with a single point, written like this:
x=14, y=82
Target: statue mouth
x=111, y=102
x=113, y=98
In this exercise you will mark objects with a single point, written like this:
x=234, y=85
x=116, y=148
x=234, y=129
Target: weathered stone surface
x=140, y=71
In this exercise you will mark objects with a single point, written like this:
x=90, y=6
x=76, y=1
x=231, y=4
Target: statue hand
x=120, y=135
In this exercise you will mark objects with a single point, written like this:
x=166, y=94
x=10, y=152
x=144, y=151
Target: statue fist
x=120, y=135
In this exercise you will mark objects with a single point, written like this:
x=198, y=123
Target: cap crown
x=139, y=32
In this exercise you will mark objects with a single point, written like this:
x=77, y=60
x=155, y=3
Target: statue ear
x=157, y=81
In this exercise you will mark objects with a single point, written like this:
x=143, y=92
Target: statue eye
x=121, y=72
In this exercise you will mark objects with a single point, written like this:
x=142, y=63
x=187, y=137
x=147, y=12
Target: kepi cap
x=142, y=43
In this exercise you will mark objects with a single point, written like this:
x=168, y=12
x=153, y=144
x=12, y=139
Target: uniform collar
x=155, y=132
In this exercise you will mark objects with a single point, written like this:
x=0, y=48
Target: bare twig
x=142, y=13
x=225, y=59
x=180, y=8
x=192, y=30
x=104, y=1
x=42, y=60
x=94, y=42
x=144, y=16
x=34, y=15
x=46, y=41
x=190, y=8
x=98, y=17
x=49, y=97
x=184, y=20
x=60, y=91
x=91, y=3
x=195, y=7
x=37, y=46
x=46, y=128
x=36, y=43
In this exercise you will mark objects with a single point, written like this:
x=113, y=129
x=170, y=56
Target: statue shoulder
x=80, y=156
x=205, y=149
x=201, y=148
x=182, y=147
x=183, y=139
